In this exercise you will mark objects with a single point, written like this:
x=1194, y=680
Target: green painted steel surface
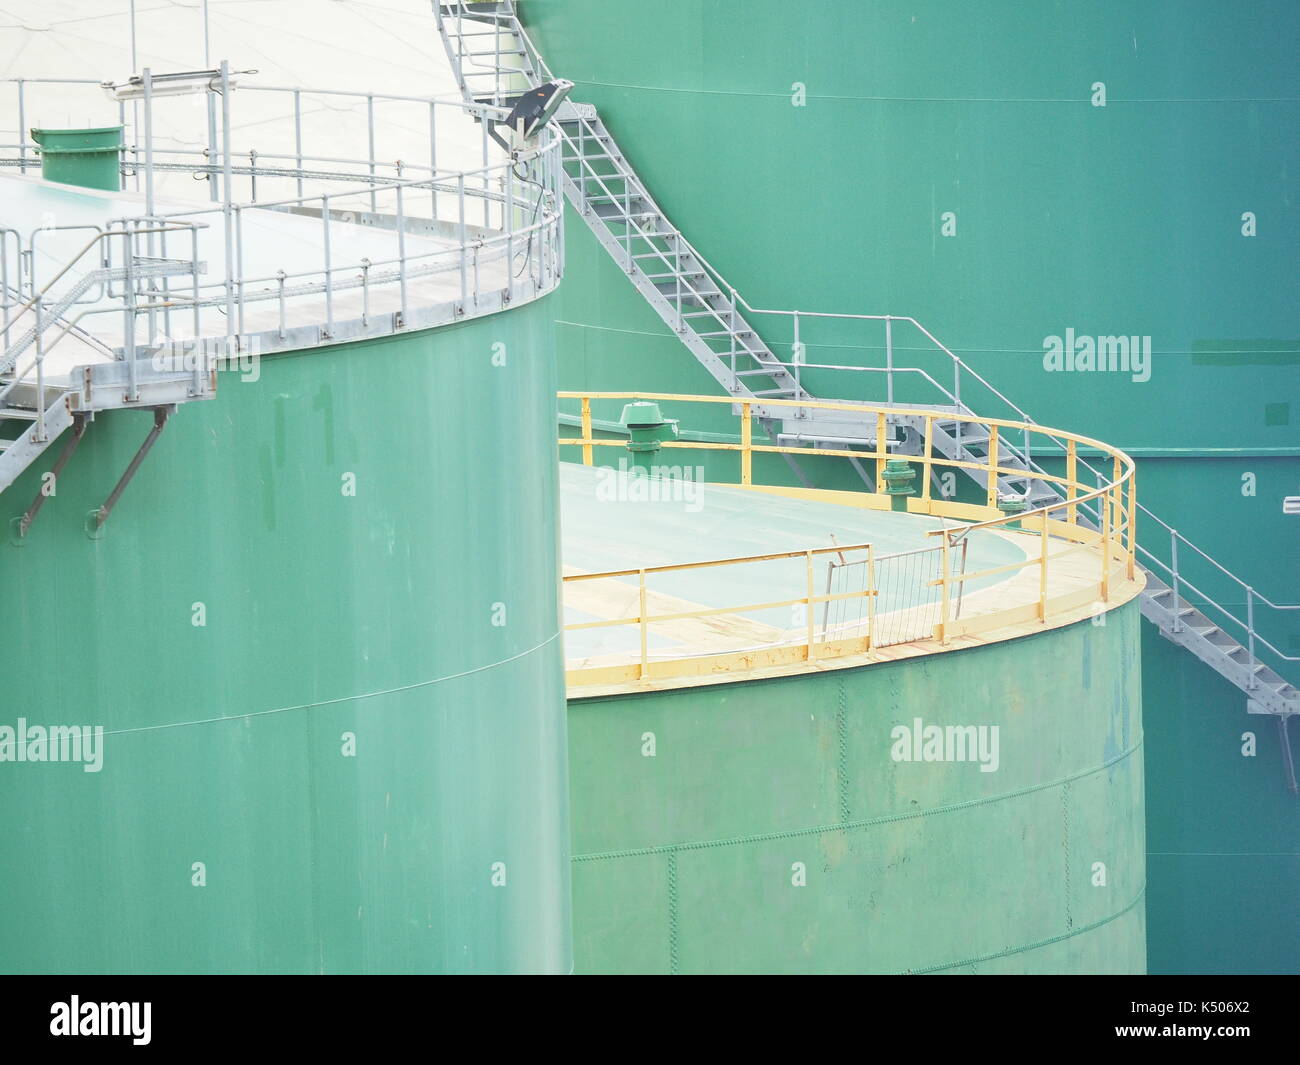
x=1126, y=219
x=685, y=859
x=90, y=158
x=327, y=614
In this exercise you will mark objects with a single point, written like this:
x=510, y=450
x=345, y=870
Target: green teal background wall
x=1118, y=220
x=325, y=614
x=683, y=860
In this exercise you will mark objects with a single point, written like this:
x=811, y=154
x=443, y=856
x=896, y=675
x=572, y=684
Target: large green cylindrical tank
x=320, y=632
x=778, y=826
x=1007, y=174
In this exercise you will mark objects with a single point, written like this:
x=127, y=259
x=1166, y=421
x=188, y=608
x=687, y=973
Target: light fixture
x=180, y=84
x=531, y=112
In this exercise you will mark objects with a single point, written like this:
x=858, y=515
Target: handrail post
x=808, y=603
x=880, y=452
x=1252, y=682
x=889, y=359
x=1116, y=494
x=735, y=383
x=1105, y=549
x=798, y=359
x=509, y=228
x=746, y=445
x=329, y=277
x=927, y=463
x=1173, y=569
x=433, y=160
x=641, y=598
x=401, y=253
x=871, y=599
x=297, y=135
x=370, y=129
x=1132, y=524
x=40, y=374
x=586, y=431
x=146, y=77
x=239, y=262
x=1072, y=479
x=128, y=346
x=464, y=279
x=627, y=231
x=993, y=466
x=227, y=198
x=945, y=594
x=194, y=298
x=1042, y=572
x=677, y=282
x=22, y=129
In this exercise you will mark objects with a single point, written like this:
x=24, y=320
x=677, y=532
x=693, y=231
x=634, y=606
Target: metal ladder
x=675, y=279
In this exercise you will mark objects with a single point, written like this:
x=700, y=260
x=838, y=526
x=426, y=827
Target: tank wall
x=688, y=859
x=329, y=621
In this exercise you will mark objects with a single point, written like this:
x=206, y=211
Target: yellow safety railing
x=1080, y=563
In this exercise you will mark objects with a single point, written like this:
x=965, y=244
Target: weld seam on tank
x=1009, y=951
x=792, y=833
x=339, y=699
x=674, y=958
x=1065, y=843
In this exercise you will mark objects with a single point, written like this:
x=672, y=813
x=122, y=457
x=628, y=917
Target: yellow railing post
x=880, y=452
x=1071, y=478
x=1119, y=523
x=926, y=466
x=993, y=466
x=1132, y=524
x=746, y=446
x=1042, y=573
x=586, y=430
x=1104, y=507
x=871, y=598
x=808, y=602
x=645, y=657
x=947, y=572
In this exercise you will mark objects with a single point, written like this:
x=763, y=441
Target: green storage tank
x=327, y=666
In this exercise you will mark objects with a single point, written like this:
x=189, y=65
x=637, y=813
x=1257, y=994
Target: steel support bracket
x=96, y=518
x=20, y=526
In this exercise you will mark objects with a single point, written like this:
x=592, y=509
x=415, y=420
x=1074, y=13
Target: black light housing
x=532, y=111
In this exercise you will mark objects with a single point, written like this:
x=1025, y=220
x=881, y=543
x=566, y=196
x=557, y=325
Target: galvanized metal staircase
x=35, y=411
x=493, y=59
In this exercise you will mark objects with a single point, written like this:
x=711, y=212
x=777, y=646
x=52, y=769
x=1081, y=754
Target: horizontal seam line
x=339, y=699
x=1009, y=951
x=863, y=823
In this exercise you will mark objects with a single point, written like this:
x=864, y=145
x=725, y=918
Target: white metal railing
x=121, y=270
x=494, y=224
